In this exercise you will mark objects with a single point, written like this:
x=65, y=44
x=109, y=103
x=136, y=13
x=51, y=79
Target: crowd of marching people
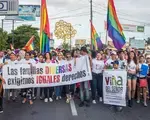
x=133, y=61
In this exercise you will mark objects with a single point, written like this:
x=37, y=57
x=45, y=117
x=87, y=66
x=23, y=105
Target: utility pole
x=2, y=24
x=70, y=37
x=91, y=20
x=13, y=28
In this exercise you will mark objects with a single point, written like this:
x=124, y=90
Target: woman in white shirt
x=27, y=93
x=97, y=72
x=131, y=70
x=48, y=91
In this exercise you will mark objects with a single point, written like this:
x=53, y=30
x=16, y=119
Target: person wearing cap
x=12, y=61
x=84, y=86
x=116, y=67
x=108, y=64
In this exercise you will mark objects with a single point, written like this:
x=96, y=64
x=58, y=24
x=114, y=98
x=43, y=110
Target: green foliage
x=148, y=41
x=22, y=34
x=65, y=46
x=3, y=39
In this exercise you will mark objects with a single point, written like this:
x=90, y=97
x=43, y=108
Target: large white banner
x=46, y=75
x=114, y=87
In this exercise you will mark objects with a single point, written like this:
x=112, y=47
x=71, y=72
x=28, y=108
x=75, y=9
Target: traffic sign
x=9, y=7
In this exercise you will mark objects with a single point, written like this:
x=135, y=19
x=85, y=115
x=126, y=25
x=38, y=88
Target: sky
x=77, y=12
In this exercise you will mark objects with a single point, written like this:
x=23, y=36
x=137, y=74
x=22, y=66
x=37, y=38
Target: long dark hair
x=49, y=55
x=134, y=59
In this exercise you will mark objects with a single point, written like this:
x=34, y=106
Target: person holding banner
x=142, y=80
x=48, y=91
x=12, y=61
x=69, y=89
x=84, y=86
x=97, y=73
x=109, y=62
x=131, y=70
x=41, y=60
x=58, y=89
x=27, y=93
x=2, y=81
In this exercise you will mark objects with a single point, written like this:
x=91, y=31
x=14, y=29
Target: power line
x=105, y=8
x=72, y=10
x=148, y=24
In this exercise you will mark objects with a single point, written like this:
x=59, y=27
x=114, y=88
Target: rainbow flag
x=30, y=46
x=114, y=28
x=44, y=29
x=96, y=41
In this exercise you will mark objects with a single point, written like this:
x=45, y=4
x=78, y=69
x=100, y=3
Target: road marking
x=73, y=108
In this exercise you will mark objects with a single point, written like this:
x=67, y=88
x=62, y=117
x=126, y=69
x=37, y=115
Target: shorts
x=131, y=77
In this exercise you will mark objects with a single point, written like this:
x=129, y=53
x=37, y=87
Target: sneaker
x=145, y=104
x=119, y=109
x=60, y=97
x=94, y=102
x=10, y=94
x=57, y=98
x=41, y=98
x=129, y=103
x=68, y=100
x=1, y=111
x=81, y=104
x=100, y=99
x=138, y=101
x=46, y=100
x=34, y=98
x=50, y=99
x=24, y=101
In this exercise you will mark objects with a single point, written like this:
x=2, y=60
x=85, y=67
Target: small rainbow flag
x=114, y=28
x=44, y=29
x=96, y=41
x=30, y=46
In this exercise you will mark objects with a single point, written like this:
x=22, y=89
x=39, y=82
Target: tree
x=3, y=39
x=22, y=34
x=148, y=41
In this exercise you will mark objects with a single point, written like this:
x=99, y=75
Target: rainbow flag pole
x=44, y=29
x=114, y=28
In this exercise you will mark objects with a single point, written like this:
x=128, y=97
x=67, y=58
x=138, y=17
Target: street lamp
x=71, y=34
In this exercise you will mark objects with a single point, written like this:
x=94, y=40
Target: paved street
x=59, y=110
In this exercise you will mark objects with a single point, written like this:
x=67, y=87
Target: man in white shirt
x=109, y=62
x=122, y=61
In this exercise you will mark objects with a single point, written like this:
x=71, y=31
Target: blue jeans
x=84, y=87
x=97, y=85
x=58, y=91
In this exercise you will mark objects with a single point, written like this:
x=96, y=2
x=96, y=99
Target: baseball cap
x=113, y=53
